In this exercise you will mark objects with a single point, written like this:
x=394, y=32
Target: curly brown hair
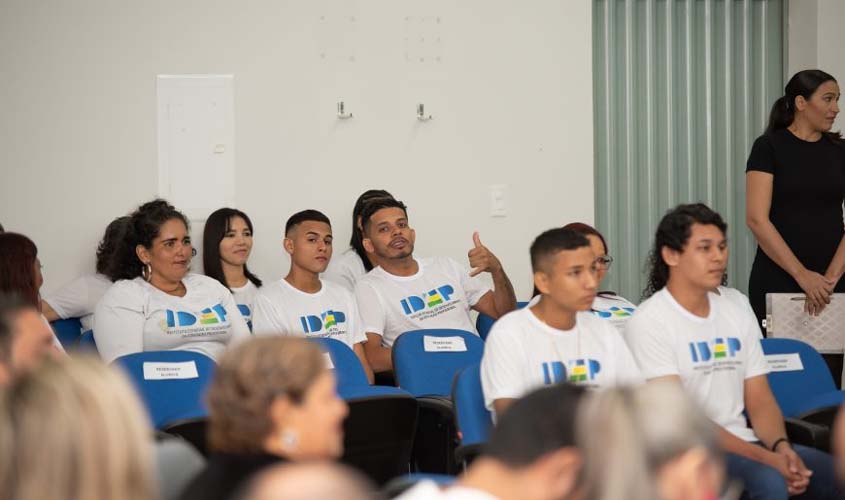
x=248, y=380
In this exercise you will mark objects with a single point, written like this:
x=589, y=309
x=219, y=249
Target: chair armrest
x=808, y=434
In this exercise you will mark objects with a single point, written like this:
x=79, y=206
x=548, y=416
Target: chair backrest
x=423, y=369
x=67, y=331
x=792, y=387
x=172, y=384
x=484, y=323
x=349, y=373
x=86, y=341
x=473, y=420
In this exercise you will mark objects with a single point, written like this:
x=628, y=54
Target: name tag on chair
x=328, y=359
x=170, y=371
x=444, y=344
x=785, y=362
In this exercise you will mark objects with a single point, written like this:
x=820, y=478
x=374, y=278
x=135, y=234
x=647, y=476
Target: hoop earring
x=147, y=272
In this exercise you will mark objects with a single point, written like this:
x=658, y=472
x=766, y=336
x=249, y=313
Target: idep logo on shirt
x=328, y=319
x=722, y=348
x=432, y=298
x=576, y=370
x=614, y=312
x=208, y=316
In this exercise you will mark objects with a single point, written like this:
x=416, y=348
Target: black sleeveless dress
x=807, y=197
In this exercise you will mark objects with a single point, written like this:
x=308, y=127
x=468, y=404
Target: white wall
x=816, y=39
x=511, y=99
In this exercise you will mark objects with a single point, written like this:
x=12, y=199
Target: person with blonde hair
x=73, y=429
x=272, y=400
x=634, y=448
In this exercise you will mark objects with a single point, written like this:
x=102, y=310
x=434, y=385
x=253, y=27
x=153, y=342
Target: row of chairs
x=435, y=420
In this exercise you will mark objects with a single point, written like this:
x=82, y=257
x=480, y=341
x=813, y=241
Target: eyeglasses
x=604, y=262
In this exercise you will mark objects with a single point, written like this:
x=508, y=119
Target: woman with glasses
x=155, y=304
x=608, y=305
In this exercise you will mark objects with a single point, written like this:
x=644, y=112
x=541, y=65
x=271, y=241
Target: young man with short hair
x=709, y=344
x=405, y=293
x=557, y=339
x=531, y=454
x=302, y=303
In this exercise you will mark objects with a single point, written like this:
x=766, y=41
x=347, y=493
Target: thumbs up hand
x=481, y=259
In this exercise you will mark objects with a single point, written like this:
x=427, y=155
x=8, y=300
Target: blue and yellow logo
x=209, y=316
x=432, y=298
x=576, y=370
x=614, y=312
x=325, y=320
x=719, y=348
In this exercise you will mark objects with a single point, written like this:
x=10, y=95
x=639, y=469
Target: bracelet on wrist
x=777, y=442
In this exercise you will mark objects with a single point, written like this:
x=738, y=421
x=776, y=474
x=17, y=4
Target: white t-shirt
x=713, y=356
x=615, y=309
x=741, y=300
x=345, y=269
x=282, y=309
x=244, y=298
x=135, y=316
x=429, y=490
x=439, y=295
x=79, y=298
x=522, y=353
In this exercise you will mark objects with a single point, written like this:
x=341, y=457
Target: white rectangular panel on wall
x=196, y=142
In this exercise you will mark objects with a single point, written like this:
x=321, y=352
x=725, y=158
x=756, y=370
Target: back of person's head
x=356, y=240
x=545, y=247
x=247, y=381
x=18, y=272
x=631, y=436
x=541, y=422
x=802, y=84
x=2, y=229
x=218, y=224
x=73, y=429
x=673, y=232
x=374, y=206
x=143, y=227
x=112, y=238
x=310, y=481
x=305, y=216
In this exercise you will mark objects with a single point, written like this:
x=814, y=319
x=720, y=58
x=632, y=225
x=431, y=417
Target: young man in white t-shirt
x=531, y=453
x=302, y=303
x=557, y=339
x=405, y=293
x=709, y=344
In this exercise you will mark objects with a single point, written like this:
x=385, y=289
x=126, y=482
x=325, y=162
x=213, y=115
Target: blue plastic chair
x=170, y=401
x=484, y=323
x=430, y=373
x=67, y=331
x=472, y=418
x=808, y=394
x=379, y=431
x=86, y=342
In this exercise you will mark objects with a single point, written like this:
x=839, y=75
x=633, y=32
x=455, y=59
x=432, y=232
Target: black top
x=806, y=208
x=225, y=473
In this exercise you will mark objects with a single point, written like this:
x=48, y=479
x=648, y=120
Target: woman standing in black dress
x=795, y=185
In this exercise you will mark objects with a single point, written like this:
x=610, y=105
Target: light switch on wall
x=498, y=200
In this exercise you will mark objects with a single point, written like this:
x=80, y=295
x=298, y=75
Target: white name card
x=444, y=344
x=169, y=371
x=328, y=359
x=785, y=362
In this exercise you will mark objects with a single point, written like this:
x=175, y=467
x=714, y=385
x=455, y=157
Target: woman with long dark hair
x=356, y=261
x=226, y=246
x=78, y=298
x=795, y=186
x=20, y=272
x=155, y=304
